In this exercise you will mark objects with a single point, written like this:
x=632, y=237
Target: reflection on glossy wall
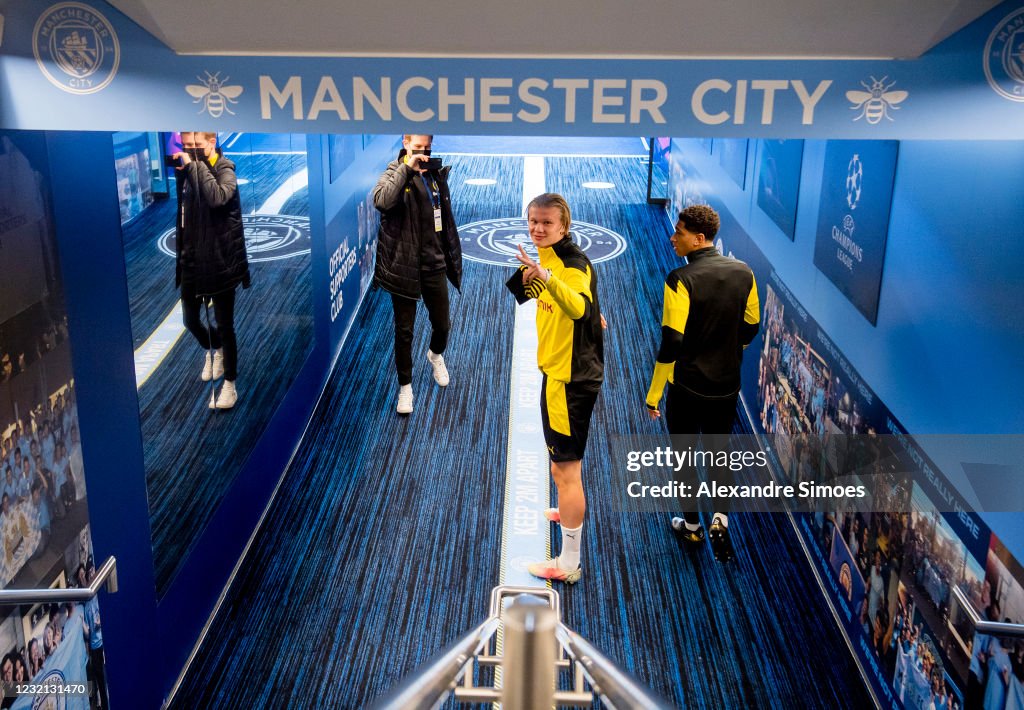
x=193, y=452
x=44, y=517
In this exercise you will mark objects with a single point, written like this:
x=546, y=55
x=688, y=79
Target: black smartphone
x=432, y=163
x=171, y=162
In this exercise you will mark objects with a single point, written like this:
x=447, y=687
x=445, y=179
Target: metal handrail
x=993, y=628
x=429, y=686
x=106, y=574
x=617, y=690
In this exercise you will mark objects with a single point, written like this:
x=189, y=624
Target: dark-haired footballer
x=570, y=353
x=711, y=314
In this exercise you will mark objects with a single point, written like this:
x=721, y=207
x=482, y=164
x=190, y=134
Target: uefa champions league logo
x=76, y=48
x=854, y=181
x=1003, y=59
x=849, y=225
x=497, y=241
x=268, y=237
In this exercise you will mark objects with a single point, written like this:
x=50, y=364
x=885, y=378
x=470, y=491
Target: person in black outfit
x=418, y=249
x=211, y=257
x=711, y=314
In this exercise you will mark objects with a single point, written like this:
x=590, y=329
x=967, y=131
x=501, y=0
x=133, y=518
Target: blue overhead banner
x=85, y=66
x=853, y=219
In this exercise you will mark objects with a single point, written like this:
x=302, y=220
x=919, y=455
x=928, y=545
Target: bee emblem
x=215, y=94
x=874, y=104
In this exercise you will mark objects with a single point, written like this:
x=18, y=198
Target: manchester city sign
x=496, y=241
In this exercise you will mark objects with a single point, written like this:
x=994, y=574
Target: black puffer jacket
x=210, y=241
x=405, y=213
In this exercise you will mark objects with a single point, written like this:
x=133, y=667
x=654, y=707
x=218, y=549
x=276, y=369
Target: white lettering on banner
x=602, y=101
x=402, y=98
x=538, y=102
x=767, y=88
x=341, y=263
x=610, y=100
x=653, y=105
x=292, y=92
x=570, y=86
x=488, y=100
x=381, y=103
x=327, y=99
x=697, y=101
x=446, y=99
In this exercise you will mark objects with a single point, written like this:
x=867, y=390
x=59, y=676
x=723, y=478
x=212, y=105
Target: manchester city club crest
x=268, y=237
x=1004, y=57
x=496, y=241
x=76, y=48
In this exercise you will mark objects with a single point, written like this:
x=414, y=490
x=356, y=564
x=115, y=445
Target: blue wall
x=944, y=355
x=147, y=640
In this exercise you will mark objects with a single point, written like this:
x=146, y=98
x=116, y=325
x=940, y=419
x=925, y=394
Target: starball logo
x=76, y=48
x=1004, y=57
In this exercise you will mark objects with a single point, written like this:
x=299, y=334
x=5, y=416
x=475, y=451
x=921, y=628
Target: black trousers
x=434, y=286
x=689, y=415
x=99, y=675
x=221, y=335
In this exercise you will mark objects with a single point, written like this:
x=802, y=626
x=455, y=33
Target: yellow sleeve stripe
x=752, y=314
x=662, y=370
x=677, y=307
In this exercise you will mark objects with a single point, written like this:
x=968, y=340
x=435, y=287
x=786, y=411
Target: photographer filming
x=417, y=250
x=211, y=258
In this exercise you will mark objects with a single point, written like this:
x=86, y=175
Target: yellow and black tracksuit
x=570, y=350
x=711, y=314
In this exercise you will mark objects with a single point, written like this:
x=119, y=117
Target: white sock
x=432, y=356
x=570, y=557
x=691, y=526
x=405, y=388
x=722, y=519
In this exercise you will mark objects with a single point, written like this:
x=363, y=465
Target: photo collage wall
x=44, y=523
x=889, y=574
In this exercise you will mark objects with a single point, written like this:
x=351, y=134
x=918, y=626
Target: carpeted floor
x=384, y=540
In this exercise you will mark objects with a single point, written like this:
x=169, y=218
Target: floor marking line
x=281, y=195
x=525, y=531
x=151, y=353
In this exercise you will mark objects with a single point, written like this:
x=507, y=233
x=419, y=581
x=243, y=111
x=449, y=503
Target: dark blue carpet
x=384, y=539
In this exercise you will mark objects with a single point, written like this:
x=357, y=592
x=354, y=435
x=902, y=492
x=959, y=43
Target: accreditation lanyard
x=435, y=199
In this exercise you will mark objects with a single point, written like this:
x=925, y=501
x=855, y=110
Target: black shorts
x=565, y=409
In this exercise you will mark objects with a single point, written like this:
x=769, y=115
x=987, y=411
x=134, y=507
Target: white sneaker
x=404, y=400
x=207, y=368
x=218, y=364
x=440, y=371
x=227, y=397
